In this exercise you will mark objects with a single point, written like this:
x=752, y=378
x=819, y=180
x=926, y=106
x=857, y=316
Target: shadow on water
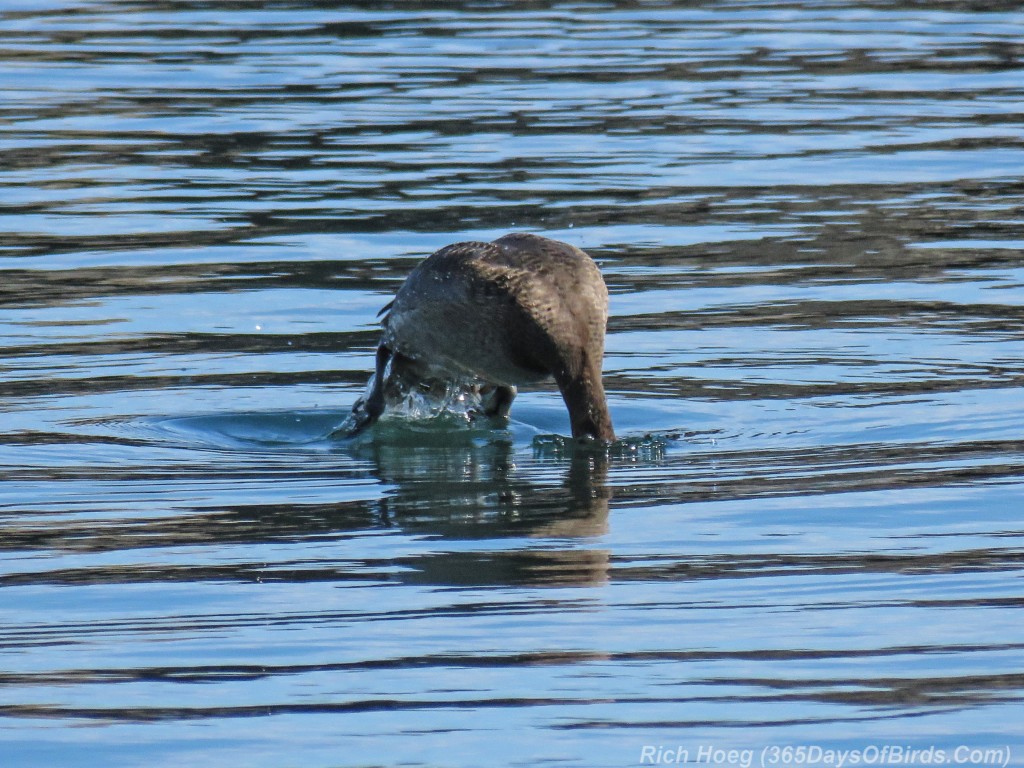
x=466, y=491
x=436, y=481
x=437, y=473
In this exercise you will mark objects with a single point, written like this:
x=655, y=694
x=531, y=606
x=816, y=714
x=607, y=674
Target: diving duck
x=516, y=311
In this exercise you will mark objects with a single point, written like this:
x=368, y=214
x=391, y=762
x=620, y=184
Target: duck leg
x=500, y=402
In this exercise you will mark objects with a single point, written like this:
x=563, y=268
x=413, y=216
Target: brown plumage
x=516, y=311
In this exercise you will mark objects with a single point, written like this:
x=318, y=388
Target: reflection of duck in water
x=516, y=311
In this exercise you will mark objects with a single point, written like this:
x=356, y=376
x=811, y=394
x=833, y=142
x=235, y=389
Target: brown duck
x=516, y=311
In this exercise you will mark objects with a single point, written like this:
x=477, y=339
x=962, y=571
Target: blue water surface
x=809, y=218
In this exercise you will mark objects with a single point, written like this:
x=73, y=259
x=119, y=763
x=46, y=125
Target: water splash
x=454, y=404
x=456, y=401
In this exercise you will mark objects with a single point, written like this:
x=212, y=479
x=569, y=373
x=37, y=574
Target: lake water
x=810, y=219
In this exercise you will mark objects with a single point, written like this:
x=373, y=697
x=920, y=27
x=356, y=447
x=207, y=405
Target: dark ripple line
x=899, y=696
x=172, y=624
x=58, y=387
x=152, y=714
x=618, y=568
x=892, y=714
x=231, y=672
